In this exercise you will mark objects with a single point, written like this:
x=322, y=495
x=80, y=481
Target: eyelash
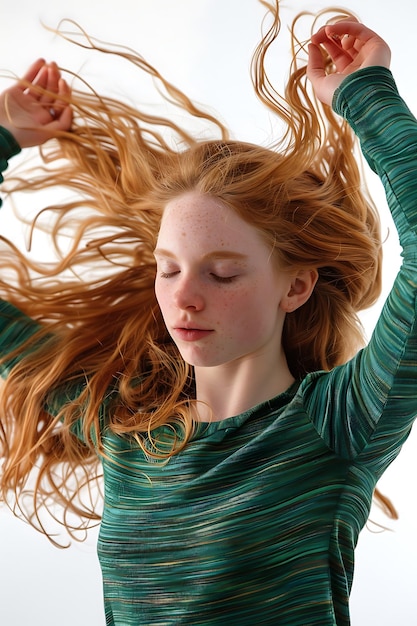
x=216, y=278
x=222, y=279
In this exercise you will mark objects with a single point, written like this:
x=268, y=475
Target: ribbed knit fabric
x=8, y=148
x=255, y=522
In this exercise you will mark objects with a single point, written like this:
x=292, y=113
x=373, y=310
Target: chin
x=199, y=360
x=205, y=361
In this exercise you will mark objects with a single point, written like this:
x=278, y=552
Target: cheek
x=161, y=296
x=253, y=310
x=239, y=307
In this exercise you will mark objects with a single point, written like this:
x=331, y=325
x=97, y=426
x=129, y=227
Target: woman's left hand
x=351, y=46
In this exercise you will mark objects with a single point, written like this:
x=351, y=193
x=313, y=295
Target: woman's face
x=217, y=284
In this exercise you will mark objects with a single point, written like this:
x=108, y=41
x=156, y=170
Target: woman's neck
x=232, y=388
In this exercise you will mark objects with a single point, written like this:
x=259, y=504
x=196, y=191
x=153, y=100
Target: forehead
x=205, y=219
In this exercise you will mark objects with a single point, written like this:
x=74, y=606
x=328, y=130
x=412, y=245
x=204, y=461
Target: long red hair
x=101, y=340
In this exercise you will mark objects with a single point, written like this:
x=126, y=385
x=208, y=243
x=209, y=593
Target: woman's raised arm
x=351, y=47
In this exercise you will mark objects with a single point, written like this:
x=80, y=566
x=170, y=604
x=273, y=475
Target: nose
x=189, y=294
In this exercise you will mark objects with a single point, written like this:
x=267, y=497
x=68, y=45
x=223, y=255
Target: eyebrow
x=216, y=254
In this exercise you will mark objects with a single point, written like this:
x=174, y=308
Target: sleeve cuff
x=8, y=148
x=8, y=144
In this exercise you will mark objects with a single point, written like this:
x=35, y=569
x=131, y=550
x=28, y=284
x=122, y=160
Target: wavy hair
x=101, y=341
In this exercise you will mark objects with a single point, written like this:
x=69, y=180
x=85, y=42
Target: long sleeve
x=8, y=148
x=15, y=327
x=364, y=409
x=387, y=130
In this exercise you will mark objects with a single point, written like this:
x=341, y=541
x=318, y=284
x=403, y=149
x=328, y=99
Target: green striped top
x=256, y=521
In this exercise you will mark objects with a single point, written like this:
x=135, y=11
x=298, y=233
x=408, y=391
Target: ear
x=301, y=288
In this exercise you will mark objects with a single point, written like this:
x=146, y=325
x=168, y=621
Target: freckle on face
x=193, y=227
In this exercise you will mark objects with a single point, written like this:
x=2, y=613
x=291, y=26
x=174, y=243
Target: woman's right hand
x=37, y=106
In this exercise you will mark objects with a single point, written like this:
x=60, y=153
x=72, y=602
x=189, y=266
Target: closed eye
x=223, y=279
x=215, y=277
x=168, y=274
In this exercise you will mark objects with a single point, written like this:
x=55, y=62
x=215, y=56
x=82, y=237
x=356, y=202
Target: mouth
x=191, y=334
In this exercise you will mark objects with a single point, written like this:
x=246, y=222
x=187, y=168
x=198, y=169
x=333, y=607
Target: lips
x=191, y=334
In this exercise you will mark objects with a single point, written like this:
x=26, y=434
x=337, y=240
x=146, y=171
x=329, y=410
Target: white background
x=204, y=47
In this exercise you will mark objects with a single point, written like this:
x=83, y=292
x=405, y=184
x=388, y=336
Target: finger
x=352, y=45
x=31, y=74
x=348, y=42
x=352, y=28
x=50, y=83
x=60, y=122
x=331, y=41
x=339, y=56
x=372, y=48
x=65, y=119
x=38, y=84
x=338, y=30
x=63, y=97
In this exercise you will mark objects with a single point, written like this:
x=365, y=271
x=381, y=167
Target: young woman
x=240, y=432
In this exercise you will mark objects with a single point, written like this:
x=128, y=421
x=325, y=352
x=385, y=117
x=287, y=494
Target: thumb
x=64, y=119
x=324, y=84
x=315, y=65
